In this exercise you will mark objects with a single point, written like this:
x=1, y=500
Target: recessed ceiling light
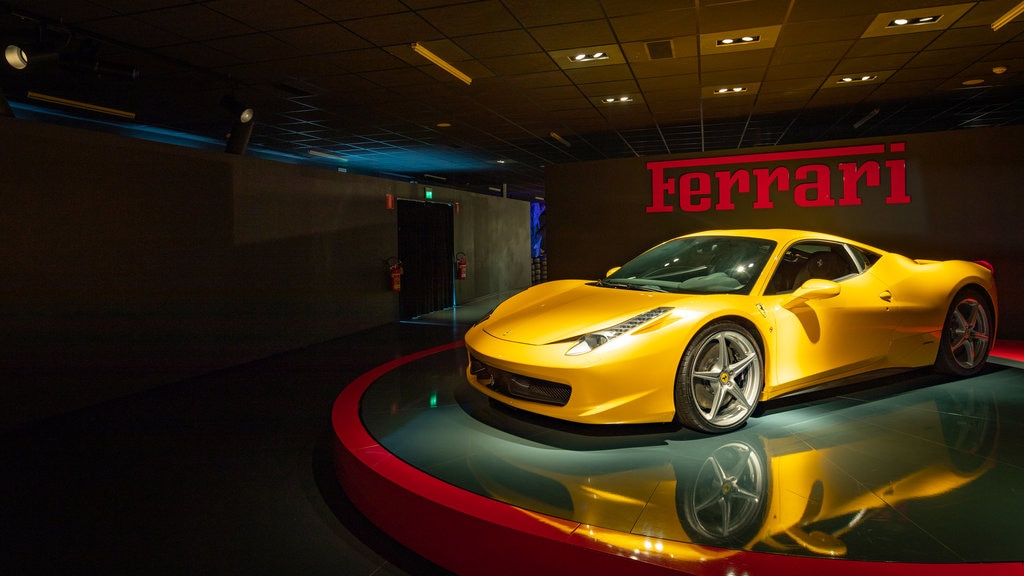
x=739, y=40
x=733, y=90
x=588, y=56
x=973, y=82
x=444, y=124
x=855, y=79
x=617, y=99
x=916, y=21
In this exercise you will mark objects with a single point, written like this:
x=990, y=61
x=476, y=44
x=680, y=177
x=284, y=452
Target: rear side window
x=866, y=257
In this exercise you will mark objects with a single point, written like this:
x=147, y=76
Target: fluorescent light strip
x=80, y=105
x=327, y=155
x=419, y=49
x=1006, y=18
x=560, y=140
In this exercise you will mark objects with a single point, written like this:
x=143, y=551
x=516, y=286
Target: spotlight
x=19, y=58
x=16, y=57
x=238, y=139
x=243, y=113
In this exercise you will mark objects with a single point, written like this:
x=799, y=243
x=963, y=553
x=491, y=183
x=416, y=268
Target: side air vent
x=659, y=49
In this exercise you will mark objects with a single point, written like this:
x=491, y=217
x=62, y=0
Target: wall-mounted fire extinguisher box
x=395, y=271
x=460, y=266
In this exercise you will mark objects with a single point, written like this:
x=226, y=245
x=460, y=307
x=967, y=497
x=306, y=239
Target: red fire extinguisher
x=396, y=271
x=460, y=266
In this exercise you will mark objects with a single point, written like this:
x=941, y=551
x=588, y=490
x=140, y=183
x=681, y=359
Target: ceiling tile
x=873, y=63
x=574, y=35
x=496, y=44
x=818, y=31
x=656, y=68
x=814, y=70
x=686, y=85
x=472, y=18
x=731, y=15
x=655, y=25
x=321, y=38
x=881, y=45
x=195, y=22
x=354, y=10
x=267, y=15
x=615, y=8
x=137, y=32
x=520, y=64
x=957, y=57
x=391, y=29
x=787, y=55
x=254, y=47
x=600, y=74
x=790, y=85
x=735, y=61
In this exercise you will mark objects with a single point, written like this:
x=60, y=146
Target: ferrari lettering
x=697, y=187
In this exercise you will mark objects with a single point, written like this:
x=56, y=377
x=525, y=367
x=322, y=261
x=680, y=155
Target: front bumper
x=630, y=380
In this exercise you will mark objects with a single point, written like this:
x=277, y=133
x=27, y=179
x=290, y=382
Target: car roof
x=780, y=235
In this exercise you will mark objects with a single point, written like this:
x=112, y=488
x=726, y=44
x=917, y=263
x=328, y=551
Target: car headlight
x=590, y=341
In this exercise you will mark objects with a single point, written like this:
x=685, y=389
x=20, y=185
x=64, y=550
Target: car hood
x=567, y=309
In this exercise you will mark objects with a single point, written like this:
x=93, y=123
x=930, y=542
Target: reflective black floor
x=908, y=468
x=231, y=472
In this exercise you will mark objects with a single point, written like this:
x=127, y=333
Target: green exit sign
x=428, y=193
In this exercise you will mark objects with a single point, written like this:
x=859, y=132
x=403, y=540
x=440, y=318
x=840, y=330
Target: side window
x=866, y=257
x=806, y=260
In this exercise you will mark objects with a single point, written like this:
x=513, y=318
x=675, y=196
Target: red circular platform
x=471, y=534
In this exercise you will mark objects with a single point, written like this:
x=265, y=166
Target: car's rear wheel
x=967, y=334
x=719, y=379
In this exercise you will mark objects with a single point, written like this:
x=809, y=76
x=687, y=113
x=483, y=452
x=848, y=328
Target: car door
x=826, y=337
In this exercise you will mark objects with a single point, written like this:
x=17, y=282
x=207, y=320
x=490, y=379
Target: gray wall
x=126, y=265
x=966, y=202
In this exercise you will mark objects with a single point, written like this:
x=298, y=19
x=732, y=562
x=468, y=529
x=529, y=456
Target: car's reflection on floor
x=912, y=475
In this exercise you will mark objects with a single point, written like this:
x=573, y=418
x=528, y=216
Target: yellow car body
x=616, y=350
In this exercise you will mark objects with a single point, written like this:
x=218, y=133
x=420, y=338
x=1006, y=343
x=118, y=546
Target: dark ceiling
x=336, y=82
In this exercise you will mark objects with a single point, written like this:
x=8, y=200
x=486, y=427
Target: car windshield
x=696, y=265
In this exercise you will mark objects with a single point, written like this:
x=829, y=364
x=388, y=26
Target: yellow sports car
x=702, y=327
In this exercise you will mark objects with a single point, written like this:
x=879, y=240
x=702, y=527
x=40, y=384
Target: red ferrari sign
x=830, y=177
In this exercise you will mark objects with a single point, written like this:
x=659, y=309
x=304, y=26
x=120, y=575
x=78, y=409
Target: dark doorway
x=426, y=242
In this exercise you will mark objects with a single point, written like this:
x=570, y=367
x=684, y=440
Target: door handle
x=886, y=295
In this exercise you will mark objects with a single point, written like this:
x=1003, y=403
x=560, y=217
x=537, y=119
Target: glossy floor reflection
x=909, y=468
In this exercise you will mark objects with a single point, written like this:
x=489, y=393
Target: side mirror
x=612, y=271
x=813, y=289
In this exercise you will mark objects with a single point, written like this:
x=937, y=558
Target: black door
x=426, y=242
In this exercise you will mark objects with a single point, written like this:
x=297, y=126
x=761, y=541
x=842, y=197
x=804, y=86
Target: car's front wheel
x=966, y=335
x=719, y=379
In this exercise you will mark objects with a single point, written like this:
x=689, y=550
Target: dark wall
x=126, y=265
x=964, y=192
